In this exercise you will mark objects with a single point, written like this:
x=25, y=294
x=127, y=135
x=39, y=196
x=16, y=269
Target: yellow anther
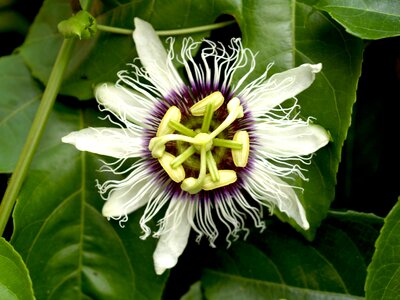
x=191, y=185
x=199, y=109
x=241, y=156
x=234, y=105
x=226, y=177
x=157, y=147
x=172, y=114
x=177, y=174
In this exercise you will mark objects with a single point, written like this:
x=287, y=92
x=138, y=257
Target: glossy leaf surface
x=295, y=269
x=20, y=96
x=72, y=251
x=383, y=281
x=15, y=283
x=368, y=19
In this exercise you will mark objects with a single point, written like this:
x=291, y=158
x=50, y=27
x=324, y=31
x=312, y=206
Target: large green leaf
x=315, y=38
x=368, y=19
x=71, y=250
x=383, y=281
x=19, y=101
x=223, y=286
x=15, y=283
x=283, y=266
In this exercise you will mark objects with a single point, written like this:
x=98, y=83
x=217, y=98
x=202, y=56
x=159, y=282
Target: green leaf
x=194, y=292
x=368, y=19
x=296, y=34
x=71, y=250
x=15, y=283
x=19, y=100
x=329, y=100
x=383, y=280
x=223, y=286
x=278, y=264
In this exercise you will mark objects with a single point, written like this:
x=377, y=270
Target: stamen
x=182, y=157
x=212, y=166
x=176, y=174
x=227, y=144
x=181, y=128
x=199, y=109
x=207, y=118
x=241, y=156
x=192, y=185
x=234, y=105
x=157, y=144
x=227, y=177
x=172, y=114
x=235, y=110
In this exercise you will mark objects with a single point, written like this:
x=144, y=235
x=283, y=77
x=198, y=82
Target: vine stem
x=35, y=133
x=168, y=32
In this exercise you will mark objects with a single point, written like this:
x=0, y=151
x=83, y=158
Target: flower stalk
x=170, y=32
x=35, y=132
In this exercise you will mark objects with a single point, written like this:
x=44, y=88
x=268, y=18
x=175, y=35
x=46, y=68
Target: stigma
x=197, y=152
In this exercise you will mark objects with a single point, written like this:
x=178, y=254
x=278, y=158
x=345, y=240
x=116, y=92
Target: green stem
x=183, y=156
x=227, y=144
x=111, y=29
x=207, y=118
x=168, y=32
x=212, y=166
x=181, y=128
x=35, y=132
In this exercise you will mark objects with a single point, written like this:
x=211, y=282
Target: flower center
x=201, y=142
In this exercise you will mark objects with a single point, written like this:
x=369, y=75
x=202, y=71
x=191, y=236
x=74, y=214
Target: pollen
x=199, y=109
x=172, y=114
x=177, y=174
x=227, y=177
x=241, y=156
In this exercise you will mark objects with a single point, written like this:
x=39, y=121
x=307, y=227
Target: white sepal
x=129, y=194
x=114, y=142
x=125, y=104
x=174, y=235
x=155, y=59
x=291, y=140
x=271, y=191
x=262, y=97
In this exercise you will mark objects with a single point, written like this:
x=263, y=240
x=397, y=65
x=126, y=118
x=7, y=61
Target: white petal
x=155, y=59
x=174, y=237
x=279, y=87
x=292, y=140
x=126, y=104
x=271, y=191
x=130, y=194
x=115, y=142
x=118, y=205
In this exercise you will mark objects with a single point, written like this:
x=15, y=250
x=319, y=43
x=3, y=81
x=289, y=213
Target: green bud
x=82, y=26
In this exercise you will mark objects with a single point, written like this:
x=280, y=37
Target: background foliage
x=70, y=250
